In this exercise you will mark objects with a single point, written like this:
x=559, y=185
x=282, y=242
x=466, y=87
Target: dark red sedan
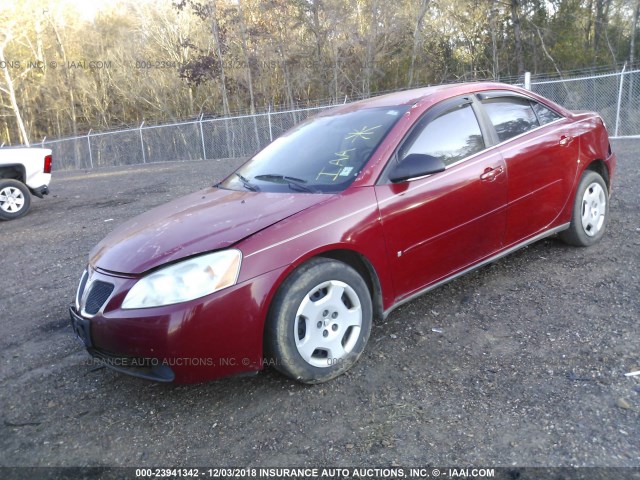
x=289, y=260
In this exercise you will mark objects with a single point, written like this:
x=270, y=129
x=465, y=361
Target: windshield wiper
x=291, y=181
x=247, y=184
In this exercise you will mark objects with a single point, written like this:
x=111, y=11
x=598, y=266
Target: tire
x=590, y=211
x=319, y=322
x=15, y=199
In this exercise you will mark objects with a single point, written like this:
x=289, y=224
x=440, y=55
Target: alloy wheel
x=11, y=199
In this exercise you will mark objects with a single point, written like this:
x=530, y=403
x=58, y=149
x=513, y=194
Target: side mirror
x=414, y=166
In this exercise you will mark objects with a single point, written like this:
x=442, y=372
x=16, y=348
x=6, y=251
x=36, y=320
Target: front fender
x=349, y=221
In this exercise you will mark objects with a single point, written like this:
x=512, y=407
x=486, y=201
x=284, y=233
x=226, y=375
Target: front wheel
x=15, y=199
x=590, y=211
x=319, y=322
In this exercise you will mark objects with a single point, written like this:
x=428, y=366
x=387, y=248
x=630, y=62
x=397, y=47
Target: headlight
x=83, y=283
x=187, y=280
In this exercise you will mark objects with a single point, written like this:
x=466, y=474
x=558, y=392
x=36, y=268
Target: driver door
x=440, y=224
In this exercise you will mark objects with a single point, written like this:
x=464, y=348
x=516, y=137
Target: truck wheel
x=15, y=199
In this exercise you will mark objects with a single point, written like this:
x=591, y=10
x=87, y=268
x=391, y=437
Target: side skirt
x=484, y=262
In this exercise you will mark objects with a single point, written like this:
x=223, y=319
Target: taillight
x=47, y=164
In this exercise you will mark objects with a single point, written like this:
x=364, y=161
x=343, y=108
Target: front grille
x=99, y=294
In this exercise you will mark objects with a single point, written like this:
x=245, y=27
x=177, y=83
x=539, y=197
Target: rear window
x=545, y=115
x=511, y=116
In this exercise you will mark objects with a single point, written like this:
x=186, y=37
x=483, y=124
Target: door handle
x=490, y=174
x=565, y=140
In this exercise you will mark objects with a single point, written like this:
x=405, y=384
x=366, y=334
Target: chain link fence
x=219, y=138
x=616, y=96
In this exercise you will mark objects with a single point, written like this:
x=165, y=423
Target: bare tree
x=634, y=28
x=632, y=48
x=70, y=81
x=495, y=63
x=424, y=5
x=5, y=37
x=515, y=18
x=290, y=51
x=370, y=45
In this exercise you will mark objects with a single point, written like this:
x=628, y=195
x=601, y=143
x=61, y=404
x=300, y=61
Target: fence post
x=527, y=81
x=204, y=150
x=624, y=67
x=269, y=121
x=89, y=144
x=144, y=155
x=43, y=139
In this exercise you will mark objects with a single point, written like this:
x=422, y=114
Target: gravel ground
x=519, y=363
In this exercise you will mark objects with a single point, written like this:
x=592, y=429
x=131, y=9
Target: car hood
x=207, y=220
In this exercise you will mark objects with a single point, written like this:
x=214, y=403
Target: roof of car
x=414, y=96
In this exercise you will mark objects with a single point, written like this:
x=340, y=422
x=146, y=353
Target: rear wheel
x=319, y=322
x=15, y=199
x=590, y=211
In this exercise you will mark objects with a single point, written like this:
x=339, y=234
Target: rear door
x=541, y=154
x=437, y=225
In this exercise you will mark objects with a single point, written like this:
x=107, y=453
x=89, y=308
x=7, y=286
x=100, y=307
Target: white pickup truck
x=23, y=171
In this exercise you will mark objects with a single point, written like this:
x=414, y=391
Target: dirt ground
x=519, y=363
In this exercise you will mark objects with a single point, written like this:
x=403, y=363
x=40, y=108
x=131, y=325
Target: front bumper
x=203, y=339
x=147, y=368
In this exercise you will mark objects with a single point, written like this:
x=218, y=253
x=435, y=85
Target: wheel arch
x=276, y=351
x=600, y=167
x=359, y=262
x=365, y=269
x=13, y=171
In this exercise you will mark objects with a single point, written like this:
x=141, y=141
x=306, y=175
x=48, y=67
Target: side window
x=451, y=137
x=510, y=116
x=545, y=115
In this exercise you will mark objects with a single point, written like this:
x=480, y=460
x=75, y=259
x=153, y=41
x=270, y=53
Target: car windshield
x=324, y=154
